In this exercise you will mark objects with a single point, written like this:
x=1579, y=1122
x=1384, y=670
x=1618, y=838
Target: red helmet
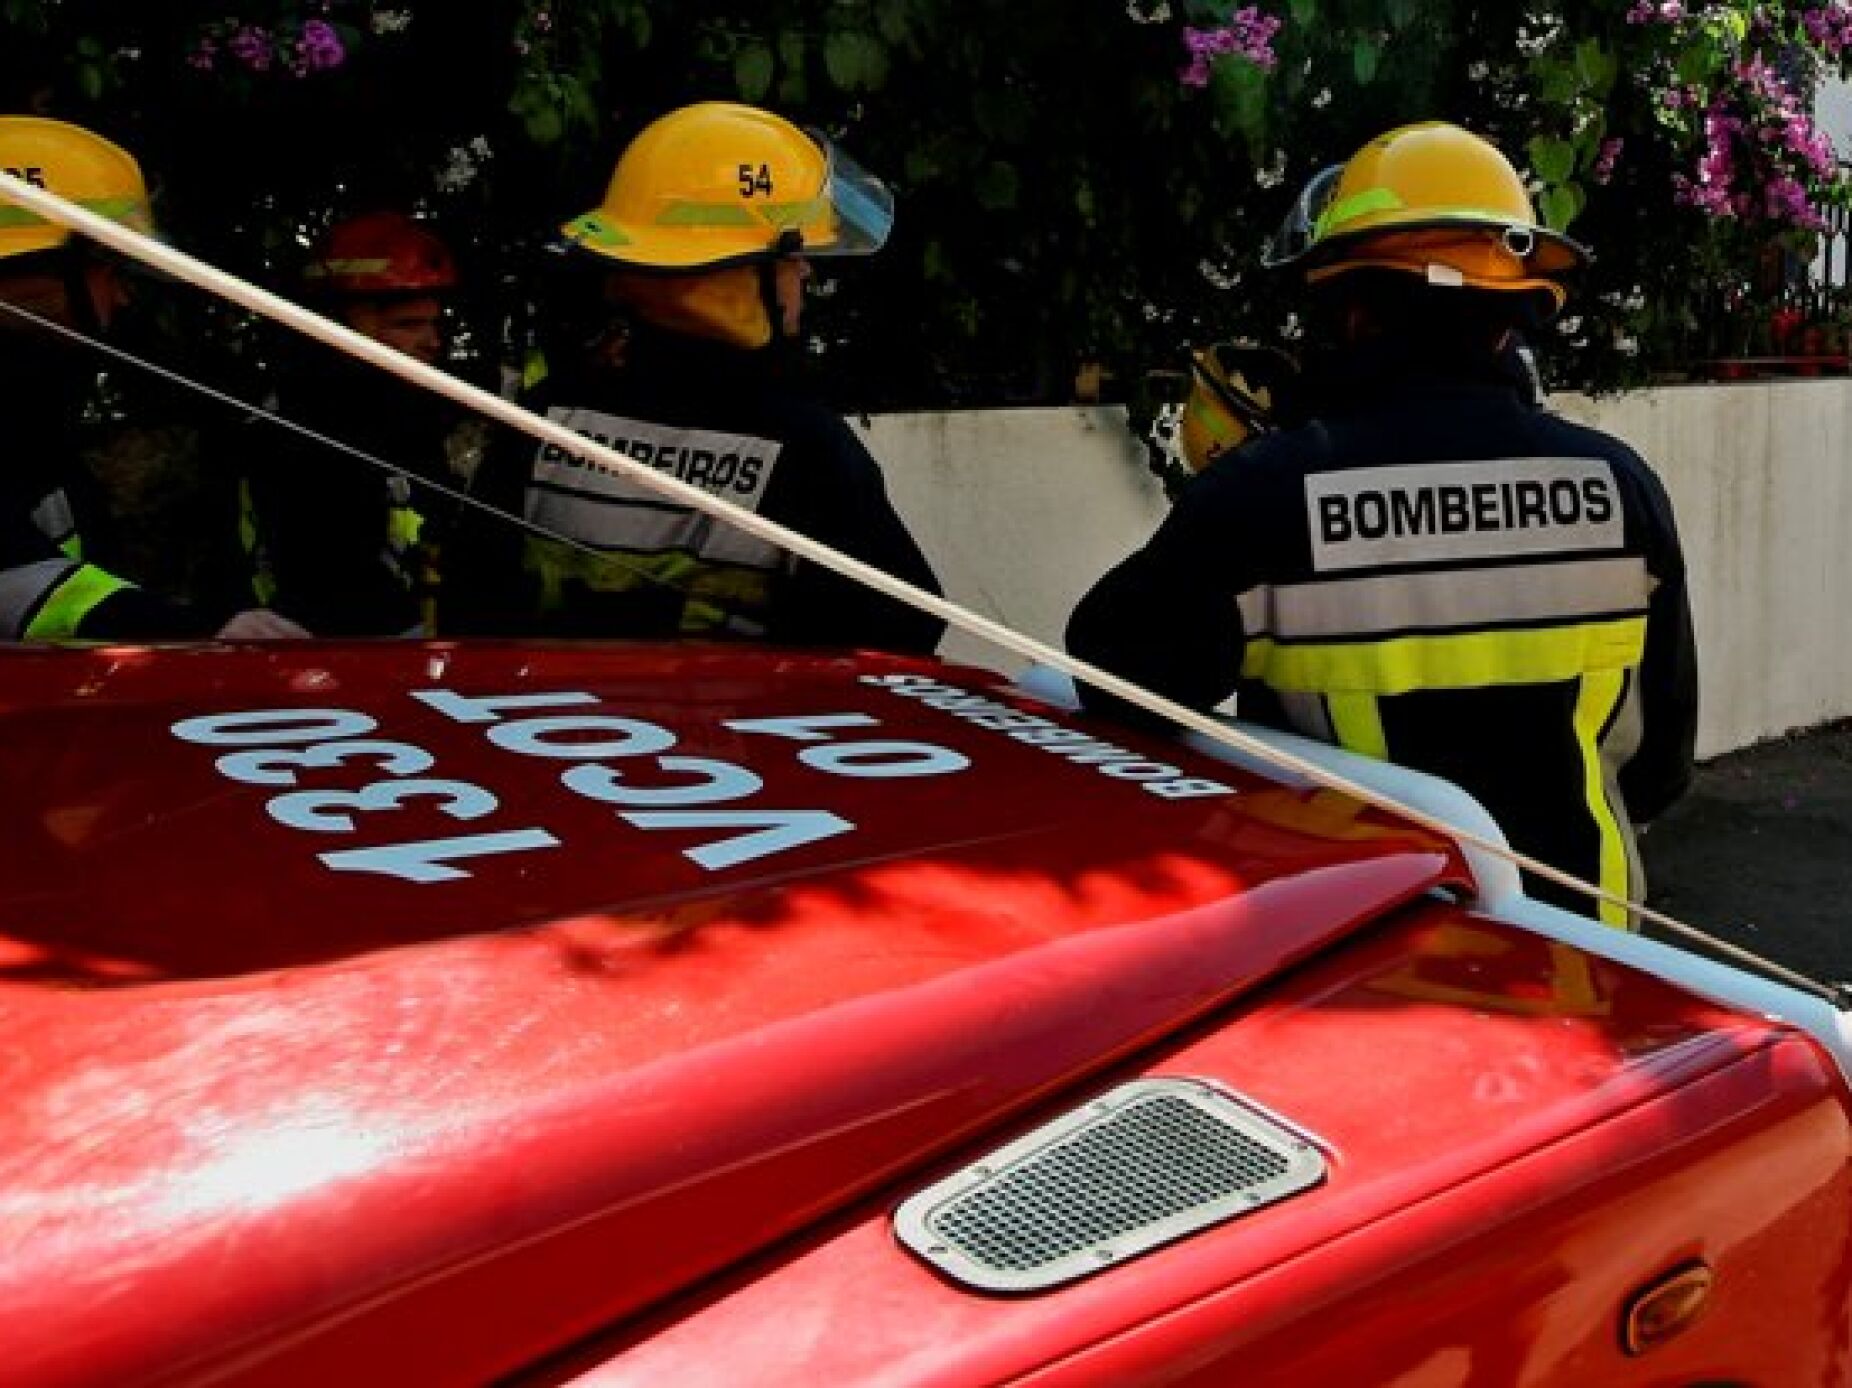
x=380, y=254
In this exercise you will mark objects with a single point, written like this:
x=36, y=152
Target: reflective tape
x=1601, y=691
x=1468, y=660
x=1458, y=599
x=68, y=602
x=23, y=589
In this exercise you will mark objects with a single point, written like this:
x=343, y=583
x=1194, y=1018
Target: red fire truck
x=433, y=1014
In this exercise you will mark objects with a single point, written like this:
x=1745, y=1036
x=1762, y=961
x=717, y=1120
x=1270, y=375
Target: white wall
x=1020, y=510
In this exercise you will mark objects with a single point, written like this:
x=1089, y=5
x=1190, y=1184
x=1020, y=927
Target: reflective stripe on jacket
x=1444, y=577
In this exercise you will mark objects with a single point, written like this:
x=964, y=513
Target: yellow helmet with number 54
x=720, y=184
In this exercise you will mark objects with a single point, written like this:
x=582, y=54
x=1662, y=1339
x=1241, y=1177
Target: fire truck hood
x=356, y=996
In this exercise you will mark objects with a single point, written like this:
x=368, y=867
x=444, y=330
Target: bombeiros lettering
x=1458, y=509
x=29, y=173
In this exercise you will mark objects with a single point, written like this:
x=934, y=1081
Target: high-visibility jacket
x=714, y=417
x=1435, y=573
x=48, y=590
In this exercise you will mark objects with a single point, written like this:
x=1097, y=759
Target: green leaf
x=793, y=66
x=892, y=19
x=1304, y=12
x=998, y=186
x=1365, y=54
x=1562, y=205
x=855, y=62
x=544, y=124
x=1400, y=13
x=1556, y=81
x=1551, y=160
x=1596, y=66
x=90, y=80
x=753, y=66
x=1240, y=90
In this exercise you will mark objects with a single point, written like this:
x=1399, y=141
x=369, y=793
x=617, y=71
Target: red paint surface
x=265, y=1122
x=1520, y=1138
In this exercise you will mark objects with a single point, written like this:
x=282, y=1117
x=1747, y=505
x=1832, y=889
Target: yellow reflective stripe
x=130, y=210
x=704, y=214
x=250, y=536
x=1601, y=691
x=369, y=266
x=1355, y=206
x=711, y=592
x=1468, y=660
x=1358, y=722
x=791, y=214
x=404, y=526
x=75, y=597
x=72, y=547
x=594, y=228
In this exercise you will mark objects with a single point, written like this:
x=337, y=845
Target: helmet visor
x=1300, y=228
x=861, y=207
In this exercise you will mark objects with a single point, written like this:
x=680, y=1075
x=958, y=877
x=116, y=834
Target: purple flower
x=1606, y=159
x=320, y=48
x=1248, y=34
x=251, y=46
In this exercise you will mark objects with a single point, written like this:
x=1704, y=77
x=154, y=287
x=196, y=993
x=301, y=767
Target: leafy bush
x=1077, y=183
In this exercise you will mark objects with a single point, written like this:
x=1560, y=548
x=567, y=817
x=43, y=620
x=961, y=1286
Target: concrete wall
x=1021, y=510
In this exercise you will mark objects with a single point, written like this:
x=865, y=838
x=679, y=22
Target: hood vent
x=1145, y=1164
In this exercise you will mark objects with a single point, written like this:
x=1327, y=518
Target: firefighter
x=48, y=591
x=702, y=248
x=335, y=542
x=1432, y=569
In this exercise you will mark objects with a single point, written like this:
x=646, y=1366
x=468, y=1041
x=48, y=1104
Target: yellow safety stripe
x=1355, y=206
x=1357, y=720
x=705, y=214
x=131, y=211
x=404, y=527
x=250, y=536
x=1601, y=691
x=75, y=597
x=595, y=229
x=713, y=592
x=1467, y=660
x=72, y=547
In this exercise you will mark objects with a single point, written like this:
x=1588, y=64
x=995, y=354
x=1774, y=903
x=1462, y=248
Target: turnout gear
x=49, y=589
x=380, y=255
x=718, y=419
x=719, y=184
x=1430, y=200
x=1436, y=573
x=75, y=164
x=1237, y=390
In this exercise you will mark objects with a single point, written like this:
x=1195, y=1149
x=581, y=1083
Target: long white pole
x=182, y=266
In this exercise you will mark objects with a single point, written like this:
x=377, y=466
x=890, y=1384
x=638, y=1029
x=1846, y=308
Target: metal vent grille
x=1148, y=1163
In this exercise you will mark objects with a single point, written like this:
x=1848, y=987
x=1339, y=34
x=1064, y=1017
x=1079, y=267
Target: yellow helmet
x=719, y=184
x=1237, y=390
x=75, y=164
x=1431, y=200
